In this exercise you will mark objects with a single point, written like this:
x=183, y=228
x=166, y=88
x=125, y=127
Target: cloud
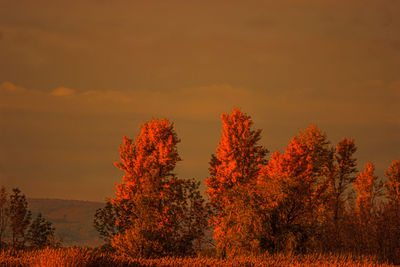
x=7, y=86
x=62, y=91
x=360, y=103
x=202, y=102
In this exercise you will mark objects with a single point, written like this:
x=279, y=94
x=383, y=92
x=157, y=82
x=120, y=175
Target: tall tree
x=343, y=175
x=389, y=230
x=235, y=166
x=40, y=233
x=20, y=218
x=289, y=181
x=368, y=188
x=155, y=210
x=321, y=155
x=364, y=235
x=393, y=183
x=148, y=164
x=318, y=148
x=4, y=214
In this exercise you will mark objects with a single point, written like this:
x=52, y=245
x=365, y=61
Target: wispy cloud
x=363, y=102
x=63, y=91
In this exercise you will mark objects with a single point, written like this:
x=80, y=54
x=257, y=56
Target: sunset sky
x=75, y=76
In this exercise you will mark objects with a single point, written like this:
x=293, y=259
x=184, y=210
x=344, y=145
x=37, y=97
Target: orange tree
x=294, y=191
x=389, y=225
x=156, y=213
x=334, y=170
x=363, y=234
x=368, y=188
x=393, y=183
x=233, y=174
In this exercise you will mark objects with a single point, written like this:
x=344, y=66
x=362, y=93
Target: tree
x=342, y=175
x=318, y=147
x=389, y=222
x=195, y=214
x=368, y=188
x=241, y=230
x=20, y=218
x=340, y=171
x=295, y=194
x=364, y=233
x=40, y=233
x=155, y=210
x=4, y=215
x=104, y=222
x=393, y=183
x=236, y=164
x=322, y=159
x=148, y=164
x=295, y=188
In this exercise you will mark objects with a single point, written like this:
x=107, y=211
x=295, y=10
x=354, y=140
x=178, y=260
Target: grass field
x=88, y=257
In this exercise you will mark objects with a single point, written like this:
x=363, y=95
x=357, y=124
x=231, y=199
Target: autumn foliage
x=297, y=197
x=368, y=189
x=154, y=212
x=233, y=175
x=307, y=199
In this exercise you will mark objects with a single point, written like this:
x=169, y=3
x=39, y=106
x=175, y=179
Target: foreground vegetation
x=87, y=257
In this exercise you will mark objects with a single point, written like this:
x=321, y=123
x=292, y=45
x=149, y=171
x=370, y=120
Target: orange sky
x=77, y=75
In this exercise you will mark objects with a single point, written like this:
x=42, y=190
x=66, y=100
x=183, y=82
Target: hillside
x=73, y=219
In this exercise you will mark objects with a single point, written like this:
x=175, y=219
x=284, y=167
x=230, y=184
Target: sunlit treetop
x=151, y=159
x=393, y=183
x=367, y=187
x=239, y=157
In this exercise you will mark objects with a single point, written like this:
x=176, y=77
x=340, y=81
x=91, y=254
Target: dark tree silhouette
x=4, y=215
x=20, y=218
x=40, y=233
x=104, y=222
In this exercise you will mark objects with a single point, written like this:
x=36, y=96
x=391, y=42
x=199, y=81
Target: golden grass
x=88, y=257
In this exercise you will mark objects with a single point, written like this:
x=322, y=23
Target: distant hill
x=73, y=219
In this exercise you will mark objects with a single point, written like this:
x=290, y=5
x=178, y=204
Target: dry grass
x=87, y=257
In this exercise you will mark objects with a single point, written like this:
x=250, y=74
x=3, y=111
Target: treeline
x=310, y=198
x=17, y=229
